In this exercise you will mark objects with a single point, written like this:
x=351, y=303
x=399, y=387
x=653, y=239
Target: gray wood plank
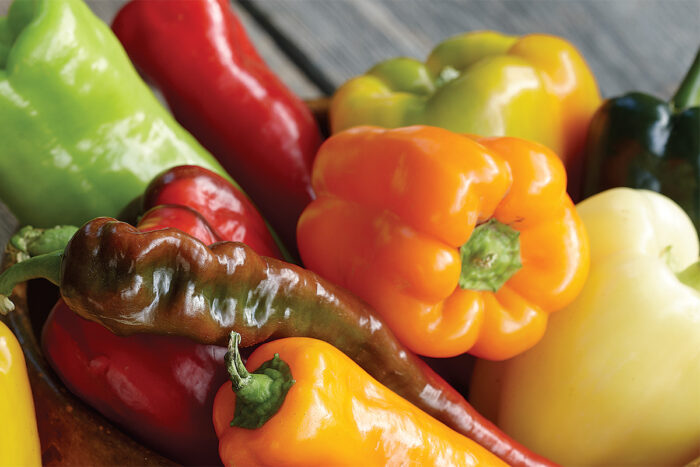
x=8, y=225
x=630, y=44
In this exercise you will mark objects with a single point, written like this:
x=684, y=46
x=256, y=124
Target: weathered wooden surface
x=630, y=44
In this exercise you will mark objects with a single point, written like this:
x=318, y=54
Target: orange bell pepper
x=401, y=220
x=332, y=413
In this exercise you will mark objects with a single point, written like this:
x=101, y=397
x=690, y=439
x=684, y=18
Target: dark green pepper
x=81, y=134
x=167, y=282
x=640, y=141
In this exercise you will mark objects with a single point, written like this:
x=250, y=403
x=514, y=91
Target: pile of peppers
x=461, y=236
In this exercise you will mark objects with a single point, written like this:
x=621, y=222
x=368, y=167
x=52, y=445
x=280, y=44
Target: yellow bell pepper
x=616, y=378
x=19, y=439
x=536, y=87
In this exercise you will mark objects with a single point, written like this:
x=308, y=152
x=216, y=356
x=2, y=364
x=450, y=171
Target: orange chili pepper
x=334, y=413
x=401, y=220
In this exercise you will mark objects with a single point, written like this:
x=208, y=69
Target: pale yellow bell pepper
x=616, y=378
x=19, y=439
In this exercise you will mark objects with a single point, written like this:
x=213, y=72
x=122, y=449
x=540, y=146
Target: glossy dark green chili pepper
x=167, y=282
x=640, y=141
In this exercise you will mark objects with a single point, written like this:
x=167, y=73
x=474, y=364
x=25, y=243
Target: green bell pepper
x=640, y=141
x=82, y=134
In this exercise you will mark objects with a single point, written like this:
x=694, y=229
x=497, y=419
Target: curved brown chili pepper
x=167, y=282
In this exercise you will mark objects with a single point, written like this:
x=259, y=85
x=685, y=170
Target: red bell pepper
x=160, y=389
x=219, y=89
x=231, y=215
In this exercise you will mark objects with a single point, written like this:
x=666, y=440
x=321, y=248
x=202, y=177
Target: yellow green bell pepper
x=19, y=439
x=536, y=87
x=616, y=378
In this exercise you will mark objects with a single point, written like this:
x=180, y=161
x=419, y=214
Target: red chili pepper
x=218, y=87
x=160, y=389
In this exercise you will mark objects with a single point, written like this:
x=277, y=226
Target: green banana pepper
x=640, y=141
x=82, y=134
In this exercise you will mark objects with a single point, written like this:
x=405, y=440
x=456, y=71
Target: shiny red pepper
x=159, y=389
x=218, y=87
x=229, y=212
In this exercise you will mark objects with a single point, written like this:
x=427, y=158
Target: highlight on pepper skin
x=419, y=249
x=320, y=397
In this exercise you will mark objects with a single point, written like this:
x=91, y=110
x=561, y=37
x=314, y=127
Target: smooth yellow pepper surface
x=616, y=378
x=536, y=87
x=19, y=439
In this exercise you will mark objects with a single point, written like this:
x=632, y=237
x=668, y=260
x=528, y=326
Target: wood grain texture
x=630, y=44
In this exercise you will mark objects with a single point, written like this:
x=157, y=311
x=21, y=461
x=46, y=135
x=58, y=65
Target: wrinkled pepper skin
x=81, y=134
x=483, y=83
x=616, y=379
x=393, y=235
x=640, y=141
x=218, y=87
x=167, y=282
x=160, y=389
x=227, y=210
x=19, y=439
x=337, y=414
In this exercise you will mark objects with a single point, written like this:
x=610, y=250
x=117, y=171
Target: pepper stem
x=690, y=276
x=490, y=257
x=688, y=93
x=31, y=241
x=259, y=395
x=47, y=266
x=39, y=253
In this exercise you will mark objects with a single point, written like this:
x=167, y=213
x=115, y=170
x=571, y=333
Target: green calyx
x=259, y=395
x=490, y=257
x=30, y=241
x=38, y=254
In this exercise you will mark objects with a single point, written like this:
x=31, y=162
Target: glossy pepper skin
x=19, y=439
x=615, y=380
x=218, y=87
x=167, y=282
x=81, y=134
x=336, y=414
x=536, y=87
x=393, y=236
x=640, y=141
x=160, y=388
x=227, y=210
